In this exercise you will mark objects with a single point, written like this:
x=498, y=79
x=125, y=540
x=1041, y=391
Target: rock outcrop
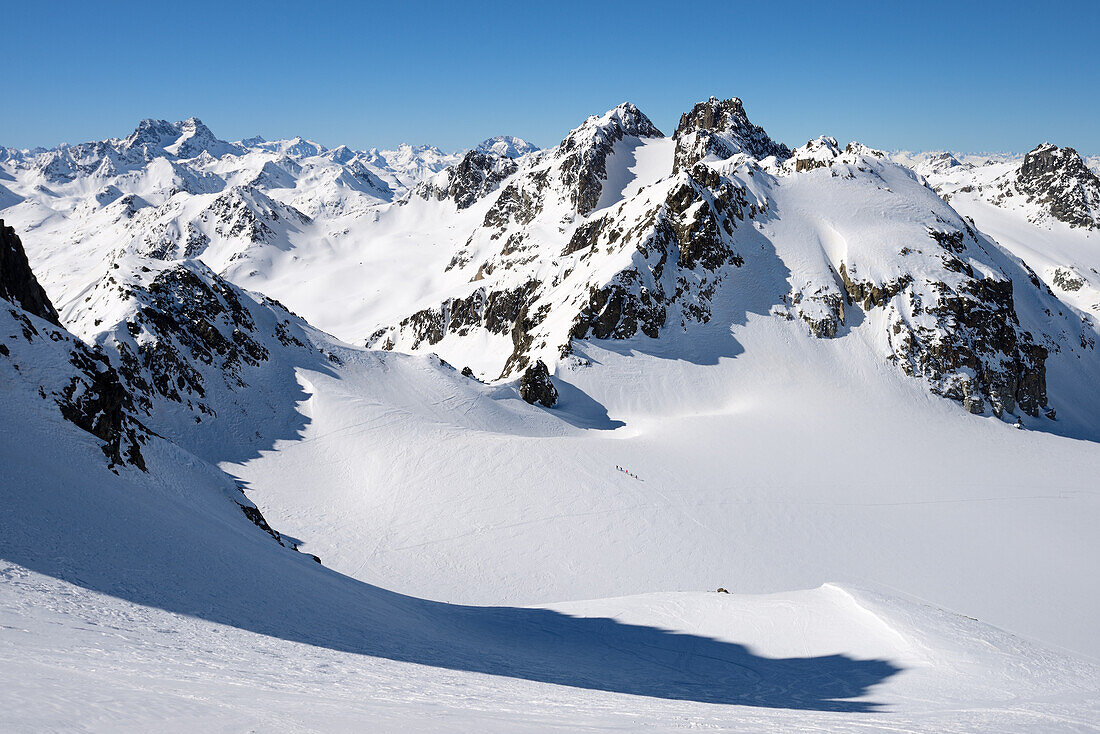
x=474, y=177
x=1058, y=179
x=78, y=378
x=17, y=282
x=720, y=128
x=536, y=386
x=1058, y=182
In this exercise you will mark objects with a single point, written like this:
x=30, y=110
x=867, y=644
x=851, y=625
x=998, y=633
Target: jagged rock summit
x=1058, y=179
x=581, y=242
x=721, y=128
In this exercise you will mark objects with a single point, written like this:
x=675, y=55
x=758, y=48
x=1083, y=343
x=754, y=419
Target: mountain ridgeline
x=616, y=233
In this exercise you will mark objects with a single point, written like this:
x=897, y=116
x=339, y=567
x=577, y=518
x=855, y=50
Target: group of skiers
x=629, y=474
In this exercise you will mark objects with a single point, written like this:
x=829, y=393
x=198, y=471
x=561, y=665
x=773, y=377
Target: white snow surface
x=137, y=601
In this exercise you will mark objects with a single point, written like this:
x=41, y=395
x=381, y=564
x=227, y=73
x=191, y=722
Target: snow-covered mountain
x=629, y=363
x=506, y=146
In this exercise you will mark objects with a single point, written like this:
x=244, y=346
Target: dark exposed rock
x=496, y=311
x=1067, y=280
x=17, y=282
x=819, y=153
x=516, y=204
x=585, y=150
x=502, y=311
x=869, y=294
x=822, y=310
x=1059, y=180
x=536, y=387
x=257, y=518
x=615, y=312
x=585, y=236
x=96, y=401
x=721, y=128
x=186, y=321
x=92, y=396
x=472, y=178
x=693, y=232
x=974, y=351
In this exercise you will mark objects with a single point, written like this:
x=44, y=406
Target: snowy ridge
x=657, y=250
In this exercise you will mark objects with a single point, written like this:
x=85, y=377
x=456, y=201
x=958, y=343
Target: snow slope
x=785, y=465
x=139, y=598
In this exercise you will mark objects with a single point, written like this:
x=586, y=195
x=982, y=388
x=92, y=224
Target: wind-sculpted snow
x=147, y=569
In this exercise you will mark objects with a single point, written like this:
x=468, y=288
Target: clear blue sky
x=958, y=75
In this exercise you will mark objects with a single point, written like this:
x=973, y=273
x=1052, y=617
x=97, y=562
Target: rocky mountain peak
x=17, y=282
x=152, y=133
x=715, y=115
x=583, y=153
x=185, y=139
x=196, y=138
x=618, y=122
x=721, y=128
x=1058, y=179
x=476, y=175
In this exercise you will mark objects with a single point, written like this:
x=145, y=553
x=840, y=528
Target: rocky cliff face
x=962, y=334
x=474, y=177
x=946, y=302
x=721, y=128
x=17, y=282
x=1059, y=181
x=196, y=349
x=78, y=379
x=673, y=244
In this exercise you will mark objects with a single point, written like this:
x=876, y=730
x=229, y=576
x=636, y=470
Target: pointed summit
x=195, y=137
x=721, y=128
x=584, y=151
x=153, y=134
x=625, y=120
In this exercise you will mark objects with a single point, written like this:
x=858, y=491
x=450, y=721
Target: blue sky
x=971, y=76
